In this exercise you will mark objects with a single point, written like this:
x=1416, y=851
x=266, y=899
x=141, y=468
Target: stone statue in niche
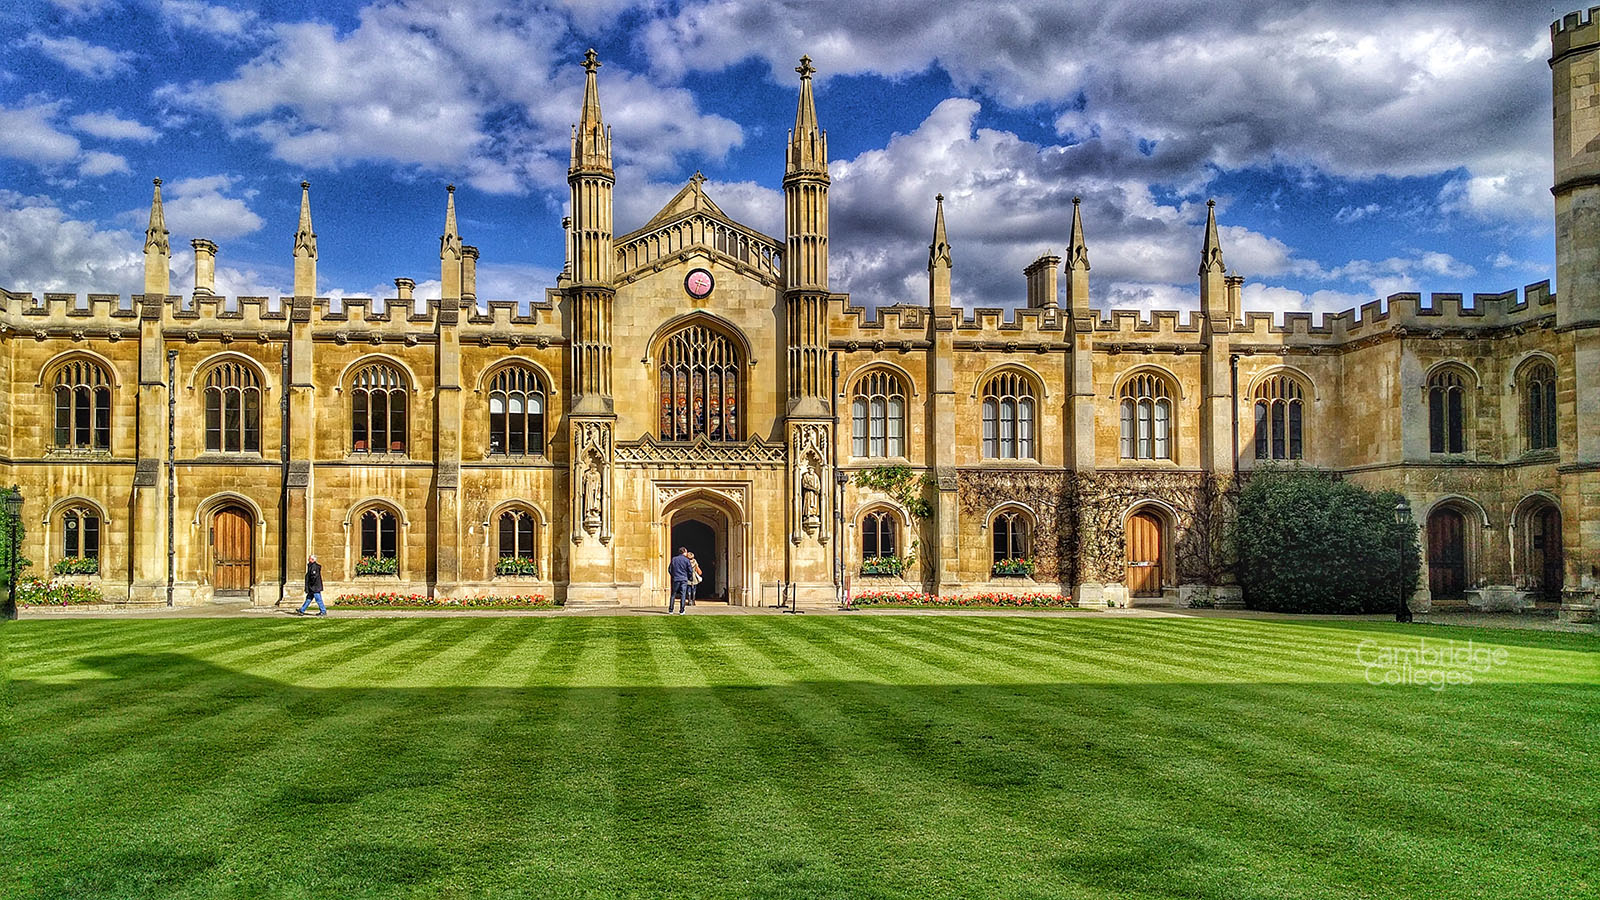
x=810, y=498
x=591, y=496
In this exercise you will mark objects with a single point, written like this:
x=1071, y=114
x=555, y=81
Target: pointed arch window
x=519, y=543
x=82, y=406
x=1011, y=536
x=699, y=386
x=378, y=410
x=1146, y=417
x=1447, y=415
x=380, y=536
x=1008, y=417
x=516, y=412
x=233, y=409
x=80, y=537
x=1280, y=418
x=879, y=535
x=878, y=415
x=1539, y=406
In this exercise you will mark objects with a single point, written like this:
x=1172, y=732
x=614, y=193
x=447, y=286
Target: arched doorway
x=1447, y=555
x=700, y=538
x=232, y=552
x=710, y=521
x=1542, y=570
x=1144, y=554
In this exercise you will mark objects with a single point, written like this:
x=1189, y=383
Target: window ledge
x=872, y=461
x=75, y=453
x=995, y=462
x=1545, y=454
x=230, y=456
x=517, y=459
x=367, y=456
x=1151, y=463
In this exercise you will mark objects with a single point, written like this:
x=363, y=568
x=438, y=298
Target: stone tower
x=591, y=296
x=1216, y=422
x=1574, y=70
x=157, y=250
x=812, y=495
x=305, y=248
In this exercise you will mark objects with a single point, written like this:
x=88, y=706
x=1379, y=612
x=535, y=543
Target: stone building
x=696, y=382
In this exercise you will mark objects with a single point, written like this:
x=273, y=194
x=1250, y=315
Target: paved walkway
x=244, y=610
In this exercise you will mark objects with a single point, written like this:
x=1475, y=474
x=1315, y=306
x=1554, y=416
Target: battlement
x=1442, y=312
x=1575, y=31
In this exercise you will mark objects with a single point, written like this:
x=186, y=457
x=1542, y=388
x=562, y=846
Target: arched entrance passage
x=711, y=523
x=1447, y=554
x=700, y=538
x=1539, y=560
x=232, y=551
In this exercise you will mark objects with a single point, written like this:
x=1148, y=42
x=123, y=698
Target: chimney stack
x=404, y=286
x=469, y=273
x=205, y=266
x=1042, y=282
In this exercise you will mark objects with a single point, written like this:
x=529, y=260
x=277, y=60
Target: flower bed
x=884, y=565
x=984, y=600
x=393, y=600
x=35, y=592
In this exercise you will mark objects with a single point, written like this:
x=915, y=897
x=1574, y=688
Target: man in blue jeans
x=681, y=569
x=313, y=587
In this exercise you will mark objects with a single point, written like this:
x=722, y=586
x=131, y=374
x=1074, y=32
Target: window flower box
x=517, y=565
x=377, y=565
x=1015, y=568
x=890, y=566
x=76, y=565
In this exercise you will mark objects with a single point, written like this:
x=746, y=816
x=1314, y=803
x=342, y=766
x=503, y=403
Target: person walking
x=313, y=586
x=695, y=579
x=681, y=569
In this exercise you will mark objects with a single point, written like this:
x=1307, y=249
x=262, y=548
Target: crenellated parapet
x=1575, y=31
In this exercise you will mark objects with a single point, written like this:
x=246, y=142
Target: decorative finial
x=805, y=68
x=938, y=198
x=305, y=185
x=697, y=179
x=1211, y=204
x=450, y=188
x=1076, y=200
x=591, y=60
x=158, y=182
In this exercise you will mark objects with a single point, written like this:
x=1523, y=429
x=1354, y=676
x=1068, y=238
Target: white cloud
x=82, y=8
x=220, y=22
x=89, y=60
x=203, y=208
x=97, y=162
x=1170, y=93
x=113, y=127
x=474, y=90
x=1349, y=215
x=31, y=135
x=43, y=249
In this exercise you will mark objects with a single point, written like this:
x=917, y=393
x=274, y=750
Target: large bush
x=1309, y=542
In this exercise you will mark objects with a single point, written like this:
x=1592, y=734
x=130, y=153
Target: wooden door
x=1144, y=555
x=232, y=547
x=1546, y=556
x=1447, y=555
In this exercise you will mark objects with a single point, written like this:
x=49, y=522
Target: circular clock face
x=698, y=283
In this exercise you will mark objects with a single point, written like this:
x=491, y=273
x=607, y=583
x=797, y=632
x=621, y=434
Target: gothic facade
x=696, y=382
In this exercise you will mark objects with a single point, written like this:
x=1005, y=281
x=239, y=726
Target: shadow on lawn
x=178, y=777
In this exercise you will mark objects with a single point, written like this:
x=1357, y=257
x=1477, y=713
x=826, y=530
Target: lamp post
x=1402, y=518
x=11, y=498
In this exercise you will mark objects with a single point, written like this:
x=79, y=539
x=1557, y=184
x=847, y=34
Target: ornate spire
x=1077, y=250
x=1211, y=253
x=305, y=240
x=808, y=144
x=591, y=140
x=450, y=241
x=939, y=250
x=155, y=237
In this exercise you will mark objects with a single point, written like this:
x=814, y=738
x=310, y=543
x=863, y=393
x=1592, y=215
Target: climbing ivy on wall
x=901, y=483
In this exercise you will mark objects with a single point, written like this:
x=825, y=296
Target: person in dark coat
x=681, y=569
x=313, y=587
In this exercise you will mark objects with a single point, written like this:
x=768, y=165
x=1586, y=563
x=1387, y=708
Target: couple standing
x=685, y=572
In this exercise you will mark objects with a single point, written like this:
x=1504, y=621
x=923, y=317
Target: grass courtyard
x=819, y=756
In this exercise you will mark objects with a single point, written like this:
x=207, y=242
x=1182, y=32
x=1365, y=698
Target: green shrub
x=516, y=565
x=76, y=565
x=1015, y=566
x=1309, y=542
x=884, y=565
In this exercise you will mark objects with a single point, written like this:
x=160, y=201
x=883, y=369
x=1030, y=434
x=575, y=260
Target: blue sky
x=1355, y=149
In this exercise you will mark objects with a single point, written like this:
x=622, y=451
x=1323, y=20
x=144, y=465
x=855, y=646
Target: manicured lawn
x=821, y=756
